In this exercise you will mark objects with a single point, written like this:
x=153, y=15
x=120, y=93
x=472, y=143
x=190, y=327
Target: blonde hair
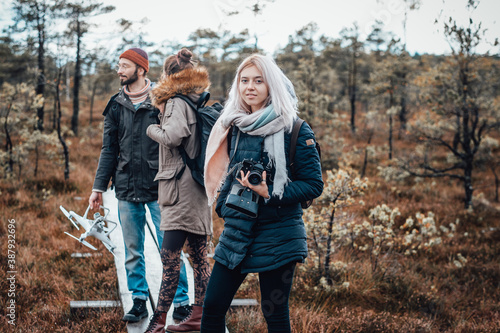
x=281, y=91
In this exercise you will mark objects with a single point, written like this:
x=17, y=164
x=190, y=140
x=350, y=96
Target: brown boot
x=157, y=323
x=191, y=324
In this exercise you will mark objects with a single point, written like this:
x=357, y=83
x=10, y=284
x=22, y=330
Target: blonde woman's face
x=252, y=88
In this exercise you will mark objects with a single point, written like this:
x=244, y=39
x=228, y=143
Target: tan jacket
x=183, y=202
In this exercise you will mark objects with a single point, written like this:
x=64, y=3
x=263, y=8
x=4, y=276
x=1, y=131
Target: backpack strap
x=293, y=148
x=293, y=142
x=204, y=97
x=236, y=144
x=202, y=101
x=234, y=153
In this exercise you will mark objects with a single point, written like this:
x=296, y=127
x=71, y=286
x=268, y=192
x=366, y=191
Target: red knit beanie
x=138, y=56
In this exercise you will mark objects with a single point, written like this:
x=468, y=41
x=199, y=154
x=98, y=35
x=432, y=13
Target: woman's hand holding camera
x=261, y=188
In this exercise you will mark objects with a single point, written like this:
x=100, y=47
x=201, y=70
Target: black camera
x=243, y=199
x=255, y=168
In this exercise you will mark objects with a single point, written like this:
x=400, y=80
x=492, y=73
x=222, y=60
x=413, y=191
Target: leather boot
x=157, y=323
x=191, y=324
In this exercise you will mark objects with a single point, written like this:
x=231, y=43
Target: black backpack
x=293, y=147
x=206, y=116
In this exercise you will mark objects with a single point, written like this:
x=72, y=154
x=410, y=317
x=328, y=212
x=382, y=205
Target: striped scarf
x=137, y=98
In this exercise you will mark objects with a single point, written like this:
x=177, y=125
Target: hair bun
x=184, y=55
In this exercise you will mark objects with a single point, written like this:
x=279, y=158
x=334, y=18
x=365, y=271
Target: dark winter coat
x=128, y=155
x=277, y=236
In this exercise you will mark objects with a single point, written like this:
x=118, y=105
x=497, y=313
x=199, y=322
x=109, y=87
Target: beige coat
x=183, y=202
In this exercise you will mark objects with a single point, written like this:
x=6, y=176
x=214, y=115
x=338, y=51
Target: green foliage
x=341, y=189
x=332, y=228
x=26, y=145
x=14, y=65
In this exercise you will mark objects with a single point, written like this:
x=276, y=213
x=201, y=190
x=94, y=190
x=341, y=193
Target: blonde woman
x=248, y=153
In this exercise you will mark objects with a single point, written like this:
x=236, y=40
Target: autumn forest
x=405, y=237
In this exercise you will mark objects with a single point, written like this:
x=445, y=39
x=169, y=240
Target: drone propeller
x=70, y=235
x=69, y=216
x=83, y=241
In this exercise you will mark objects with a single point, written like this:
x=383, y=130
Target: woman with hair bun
x=185, y=214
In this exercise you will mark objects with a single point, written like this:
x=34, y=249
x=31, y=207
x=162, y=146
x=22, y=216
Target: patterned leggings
x=173, y=241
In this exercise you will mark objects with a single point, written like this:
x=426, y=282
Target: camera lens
x=254, y=177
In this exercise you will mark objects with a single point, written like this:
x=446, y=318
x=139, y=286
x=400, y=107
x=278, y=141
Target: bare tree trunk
x=8, y=142
x=40, y=87
x=403, y=113
x=329, y=244
x=352, y=91
x=37, y=156
x=365, y=162
x=467, y=132
x=59, y=135
x=76, y=86
x=94, y=89
x=68, y=84
x=391, y=104
x=54, y=116
x=468, y=185
x=497, y=182
x=40, y=84
x=390, y=137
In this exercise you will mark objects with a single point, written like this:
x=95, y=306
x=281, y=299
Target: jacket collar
x=123, y=99
x=187, y=82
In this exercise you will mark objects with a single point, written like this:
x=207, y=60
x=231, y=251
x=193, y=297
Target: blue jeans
x=132, y=217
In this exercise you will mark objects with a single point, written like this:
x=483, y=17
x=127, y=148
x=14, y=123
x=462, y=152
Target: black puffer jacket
x=128, y=155
x=277, y=236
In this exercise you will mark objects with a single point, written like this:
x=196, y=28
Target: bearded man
x=129, y=158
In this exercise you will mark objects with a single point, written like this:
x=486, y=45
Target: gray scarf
x=268, y=124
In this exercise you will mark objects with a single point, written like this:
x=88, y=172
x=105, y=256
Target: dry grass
x=422, y=293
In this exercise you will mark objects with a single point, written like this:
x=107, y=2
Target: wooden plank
x=85, y=255
x=244, y=302
x=83, y=308
x=93, y=304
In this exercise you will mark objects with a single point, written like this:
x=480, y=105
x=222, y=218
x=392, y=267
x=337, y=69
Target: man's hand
x=95, y=200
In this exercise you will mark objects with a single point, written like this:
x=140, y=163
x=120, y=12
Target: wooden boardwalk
x=153, y=266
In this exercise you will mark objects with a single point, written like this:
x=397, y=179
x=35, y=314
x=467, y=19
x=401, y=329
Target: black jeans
x=275, y=286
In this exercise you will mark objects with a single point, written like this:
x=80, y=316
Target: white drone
x=94, y=228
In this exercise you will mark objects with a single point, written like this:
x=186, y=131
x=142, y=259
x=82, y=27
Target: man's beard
x=130, y=80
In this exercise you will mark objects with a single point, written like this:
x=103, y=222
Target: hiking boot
x=157, y=323
x=191, y=324
x=138, y=311
x=181, y=312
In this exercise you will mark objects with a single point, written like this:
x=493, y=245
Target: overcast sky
x=175, y=20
